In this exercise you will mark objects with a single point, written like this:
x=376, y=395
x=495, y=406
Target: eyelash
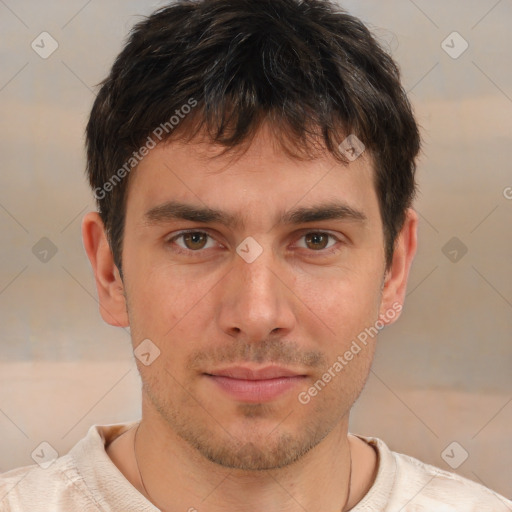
x=321, y=252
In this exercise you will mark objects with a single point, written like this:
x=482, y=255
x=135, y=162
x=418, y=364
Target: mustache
x=271, y=350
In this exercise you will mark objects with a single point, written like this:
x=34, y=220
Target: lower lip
x=256, y=391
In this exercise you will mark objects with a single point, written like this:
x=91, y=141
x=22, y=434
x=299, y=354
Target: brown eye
x=195, y=241
x=317, y=241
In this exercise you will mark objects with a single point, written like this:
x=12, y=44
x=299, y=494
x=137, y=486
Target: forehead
x=261, y=173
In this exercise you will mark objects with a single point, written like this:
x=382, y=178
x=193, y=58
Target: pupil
x=318, y=240
x=195, y=239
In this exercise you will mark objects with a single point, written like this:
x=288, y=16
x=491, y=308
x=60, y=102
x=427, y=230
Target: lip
x=255, y=385
x=244, y=373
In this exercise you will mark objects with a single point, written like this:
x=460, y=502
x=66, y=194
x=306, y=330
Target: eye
x=196, y=241
x=318, y=241
x=192, y=240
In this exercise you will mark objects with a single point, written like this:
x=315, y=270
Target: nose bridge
x=258, y=277
x=255, y=302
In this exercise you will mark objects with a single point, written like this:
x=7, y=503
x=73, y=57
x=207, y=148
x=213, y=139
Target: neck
x=174, y=476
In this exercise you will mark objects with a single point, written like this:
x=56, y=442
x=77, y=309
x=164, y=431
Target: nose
x=256, y=301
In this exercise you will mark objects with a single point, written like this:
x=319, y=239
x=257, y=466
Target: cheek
x=167, y=306
x=159, y=292
x=331, y=393
x=346, y=302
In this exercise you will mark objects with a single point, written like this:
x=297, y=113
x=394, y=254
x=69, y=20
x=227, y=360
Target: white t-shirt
x=86, y=480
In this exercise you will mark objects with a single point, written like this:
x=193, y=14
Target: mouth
x=255, y=385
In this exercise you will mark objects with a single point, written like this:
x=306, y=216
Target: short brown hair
x=306, y=66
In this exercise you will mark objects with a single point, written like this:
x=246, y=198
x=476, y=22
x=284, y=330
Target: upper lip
x=242, y=372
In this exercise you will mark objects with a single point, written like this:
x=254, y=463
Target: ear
x=395, y=280
x=108, y=280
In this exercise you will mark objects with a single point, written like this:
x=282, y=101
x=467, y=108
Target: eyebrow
x=175, y=210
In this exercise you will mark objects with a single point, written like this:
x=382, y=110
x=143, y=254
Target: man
x=253, y=163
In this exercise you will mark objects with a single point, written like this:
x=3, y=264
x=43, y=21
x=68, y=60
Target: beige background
x=442, y=373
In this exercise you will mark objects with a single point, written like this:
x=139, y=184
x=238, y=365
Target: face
x=253, y=276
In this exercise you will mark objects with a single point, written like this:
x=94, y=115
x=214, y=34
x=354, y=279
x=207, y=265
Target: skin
x=300, y=305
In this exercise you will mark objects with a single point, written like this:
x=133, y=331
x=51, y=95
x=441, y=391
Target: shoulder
x=69, y=482
x=434, y=486
x=29, y=487
x=419, y=487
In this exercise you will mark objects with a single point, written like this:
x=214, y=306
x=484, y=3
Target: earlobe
x=108, y=280
x=395, y=283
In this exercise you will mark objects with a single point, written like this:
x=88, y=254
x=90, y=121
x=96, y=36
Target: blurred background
x=441, y=385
